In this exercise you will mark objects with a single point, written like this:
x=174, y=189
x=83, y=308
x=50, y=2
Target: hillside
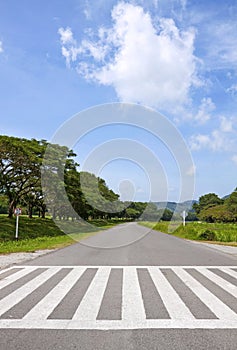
x=180, y=207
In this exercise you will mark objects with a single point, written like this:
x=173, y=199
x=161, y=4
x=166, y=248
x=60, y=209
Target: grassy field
x=37, y=233
x=219, y=232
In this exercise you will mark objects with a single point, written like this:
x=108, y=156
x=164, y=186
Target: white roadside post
x=17, y=212
x=184, y=217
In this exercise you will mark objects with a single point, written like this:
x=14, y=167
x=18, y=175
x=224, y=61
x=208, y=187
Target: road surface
x=157, y=292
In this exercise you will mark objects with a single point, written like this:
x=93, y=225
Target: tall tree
x=20, y=163
x=231, y=203
x=206, y=201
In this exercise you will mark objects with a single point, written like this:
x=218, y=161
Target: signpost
x=17, y=212
x=184, y=217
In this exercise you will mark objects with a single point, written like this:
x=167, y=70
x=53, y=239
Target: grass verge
x=219, y=233
x=40, y=243
x=37, y=233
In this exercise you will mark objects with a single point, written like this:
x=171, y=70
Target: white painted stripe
x=132, y=266
x=12, y=278
x=230, y=272
x=46, y=305
x=90, y=304
x=15, y=297
x=173, y=303
x=221, y=310
x=221, y=282
x=118, y=324
x=132, y=302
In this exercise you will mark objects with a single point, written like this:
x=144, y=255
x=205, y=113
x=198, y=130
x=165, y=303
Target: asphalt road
x=134, y=245
x=125, y=288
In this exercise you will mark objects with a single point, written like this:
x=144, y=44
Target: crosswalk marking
x=132, y=304
x=215, y=305
x=229, y=287
x=132, y=309
x=90, y=304
x=12, y=278
x=44, y=308
x=15, y=297
x=174, y=305
x=229, y=272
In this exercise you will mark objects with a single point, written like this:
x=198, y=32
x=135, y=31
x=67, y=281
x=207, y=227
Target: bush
x=207, y=235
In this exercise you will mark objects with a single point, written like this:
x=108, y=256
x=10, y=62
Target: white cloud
x=220, y=139
x=234, y=158
x=204, y=113
x=87, y=10
x=232, y=89
x=221, y=43
x=1, y=47
x=226, y=124
x=143, y=64
x=215, y=141
x=66, y=36
x=69, y=49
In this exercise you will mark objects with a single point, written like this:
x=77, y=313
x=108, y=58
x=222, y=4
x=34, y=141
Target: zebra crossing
x=118, y=297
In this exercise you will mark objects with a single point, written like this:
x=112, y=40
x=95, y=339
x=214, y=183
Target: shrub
x=207, y=235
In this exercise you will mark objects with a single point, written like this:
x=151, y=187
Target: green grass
x=40, y=243
x=37, y=233
x=215, y=233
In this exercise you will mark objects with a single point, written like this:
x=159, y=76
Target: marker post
x=184, y=217
x=17, y=212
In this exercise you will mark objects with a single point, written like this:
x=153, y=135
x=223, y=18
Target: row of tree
x=211, y=208
x=41, y=177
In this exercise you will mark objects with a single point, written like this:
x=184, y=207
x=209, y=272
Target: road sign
x=17, y=211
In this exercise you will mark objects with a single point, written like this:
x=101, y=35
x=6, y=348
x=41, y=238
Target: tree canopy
x=35, y=173
x=211, y=208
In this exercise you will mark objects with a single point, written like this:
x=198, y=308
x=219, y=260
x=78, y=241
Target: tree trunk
x=11, y=209
x=43, y=213
x=30, y=210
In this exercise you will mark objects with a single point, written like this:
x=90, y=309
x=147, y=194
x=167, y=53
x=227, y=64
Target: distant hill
x=179, y=207
x=225, y=197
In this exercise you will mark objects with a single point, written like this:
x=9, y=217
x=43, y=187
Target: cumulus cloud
x=150, y=64
x=66, y=36
x=205, y=109
x=220, y=139
x=213, y=141
x=69, y=49
x=1, y=47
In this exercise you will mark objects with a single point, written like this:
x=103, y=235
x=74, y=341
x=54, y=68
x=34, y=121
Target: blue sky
x=178, y=57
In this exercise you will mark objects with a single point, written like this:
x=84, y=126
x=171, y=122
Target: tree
x=55, y=172
x=150, y=213
x=98, y=200
x=219, y=213
x=132, y=213
x=191, y=216
x=213, y=209
x=167, y=215
x=3, y=204
x=207, y=201
x=20, y=163
x=231, y=203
